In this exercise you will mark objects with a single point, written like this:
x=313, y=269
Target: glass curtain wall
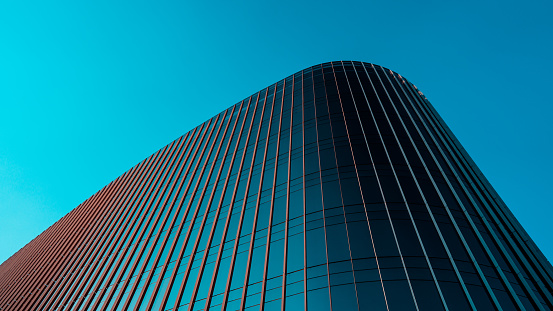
x=336, y=188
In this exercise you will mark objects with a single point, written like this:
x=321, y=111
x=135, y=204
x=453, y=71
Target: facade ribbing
x=336, y=188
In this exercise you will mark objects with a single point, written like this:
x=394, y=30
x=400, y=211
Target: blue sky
x=90, y=88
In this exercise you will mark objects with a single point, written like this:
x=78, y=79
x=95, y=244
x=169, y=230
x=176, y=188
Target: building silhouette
x=336, y=188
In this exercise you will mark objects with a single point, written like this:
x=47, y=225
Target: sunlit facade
x=336, y=188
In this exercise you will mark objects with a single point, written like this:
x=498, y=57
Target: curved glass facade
x=337, y=188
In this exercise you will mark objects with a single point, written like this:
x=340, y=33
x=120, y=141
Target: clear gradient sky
x=90, y=88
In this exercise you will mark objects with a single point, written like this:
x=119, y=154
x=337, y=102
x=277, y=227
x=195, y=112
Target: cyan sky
x=90, y=88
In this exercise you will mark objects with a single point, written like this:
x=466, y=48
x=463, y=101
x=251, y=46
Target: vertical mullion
x=102, y=260
x=234, y=194
x=109, y=232
x=217, y=212
x=27, y=262
x=164, y=244
x=80, y=234
x=380, y=184
x=256, y=213
x=165, y=295
x=194, y=220
x=339, y=179
x=415, y=227
x=359, y=184
x=215, y=185
x=153, y=212
x=62, y=288
x=18, y=263
x=303, y=193
x=286, y=224
x=25, y=258
x=475, y=230
x=96, y=292
x=447, y=209
x=200, y=158
x=499, y=208
x=137, y=186
x=145, y=220
x=170, y=184
x=13, y=262
x=185, y=280
x=461, y=281
x=210, y=200
x=191, y=304
x=67, y=223
x=222, y=197
x=269, y=228
x=92, y=249
x=190, y=228
x=229, y=213
x=155, y=205
x=321, y=182
x=500, y=246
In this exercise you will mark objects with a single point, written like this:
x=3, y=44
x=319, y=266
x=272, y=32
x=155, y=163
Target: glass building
x=336, y=188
